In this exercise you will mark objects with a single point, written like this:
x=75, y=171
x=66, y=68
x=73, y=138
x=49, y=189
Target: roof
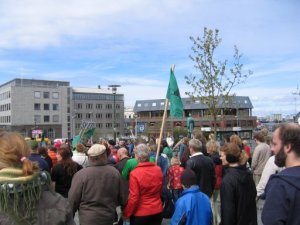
x=158, y=104
x=93, y=90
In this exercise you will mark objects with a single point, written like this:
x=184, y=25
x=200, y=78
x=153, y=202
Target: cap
x=96, y=150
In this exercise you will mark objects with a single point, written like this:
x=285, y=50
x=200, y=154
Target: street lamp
x=114, y=91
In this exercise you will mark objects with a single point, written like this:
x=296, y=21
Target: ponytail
x=28, y=167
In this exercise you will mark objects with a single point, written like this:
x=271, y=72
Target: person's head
x=42, y=151
x=53, y=149
x=264, y=131
x=185, y=140
x=80, y=148
x=63, y=153
x=211, y=137
x=188, y=178
x=245, y=143
x=226, y=138
x=97, y=154
x=232, y=154
x=142, y=153
x=212, y=147
x=122, y=143
x=259, y=137
x=111, y=144
x=197, y=134
x=14, y=152
x=236, y=140
x=33, y=145
x=286, y=144
x=122, y=153
x=195, y=145
x=175, y=161
x=164, y=143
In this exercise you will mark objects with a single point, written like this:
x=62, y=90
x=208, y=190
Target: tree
x=214, y=82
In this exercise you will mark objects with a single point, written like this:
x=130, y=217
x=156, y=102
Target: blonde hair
x=213, y=146
x=14, y=152
x=80, y=148
x=236, y=140
x=175, y=161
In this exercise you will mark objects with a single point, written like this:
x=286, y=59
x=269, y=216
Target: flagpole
x=161, y=129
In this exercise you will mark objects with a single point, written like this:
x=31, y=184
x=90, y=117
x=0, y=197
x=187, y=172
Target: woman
x=213, y=148
x=144, y=205
x=238, y=192
x=79, y=155
x=63, y=172
x=28, y=198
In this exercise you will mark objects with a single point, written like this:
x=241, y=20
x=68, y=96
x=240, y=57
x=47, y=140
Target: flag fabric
x=173, y=94
x=75, y=141
x=89, y=133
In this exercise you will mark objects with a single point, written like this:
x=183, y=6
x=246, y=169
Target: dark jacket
x=282, y=205
x=238, y=194
x=96, y=191
x=43, y=165
x=204, y=168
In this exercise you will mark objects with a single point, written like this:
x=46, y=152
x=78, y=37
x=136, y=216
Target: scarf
x=19, y=194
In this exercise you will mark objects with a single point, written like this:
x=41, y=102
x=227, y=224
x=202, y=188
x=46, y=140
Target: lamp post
x=114, y=91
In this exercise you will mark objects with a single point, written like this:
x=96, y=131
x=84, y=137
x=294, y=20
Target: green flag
x=89, y=133
x=173, y=94
x=75, y=141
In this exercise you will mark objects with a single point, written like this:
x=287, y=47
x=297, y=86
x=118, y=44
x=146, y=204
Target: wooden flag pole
x=161, y=129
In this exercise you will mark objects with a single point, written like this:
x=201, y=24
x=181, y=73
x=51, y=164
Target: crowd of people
x=129, y=183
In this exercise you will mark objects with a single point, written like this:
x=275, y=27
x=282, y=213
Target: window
x=55, y=107
x=98, y=115
x=46, y=107
x=79, y=115
x=89, y=115
x=37, y=94
x=108, y=125
x=139, y=105
x=46, y=119
x=118, y=106
x=79, y=106
x=146, y=104
x=98, y=106
x=108, y=116
x=55, y=95
x=37, y=106
x=46, y=94
x=55, y=118
x=162, y=103
x=37, y=119
x=108, y=106
x=153, y=103
x=88, y=106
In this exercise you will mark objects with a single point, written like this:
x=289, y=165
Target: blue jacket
x=192, y=208
x=282, y=205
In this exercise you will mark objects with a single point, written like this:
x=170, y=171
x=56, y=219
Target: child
x=174, y=174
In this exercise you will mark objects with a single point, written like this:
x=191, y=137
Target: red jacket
x=53, y=157
x=145, y=186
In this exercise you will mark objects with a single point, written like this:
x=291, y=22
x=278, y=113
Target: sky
x=133, y=43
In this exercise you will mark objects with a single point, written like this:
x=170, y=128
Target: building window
x=139, y=105
x=37, y=106
x=37, y=119
x=146, y=104
x=98, y=106
x=108, y=125
x=118, y=106
x=55, y=95
x=37, y=94
x=46, y=94
x=89, y=115
x=79, y=115
x=108, y=116
x=99, y=125
x=153, y=103
x=162, y=103
x=79, y=106
x=55, y=118
x=55, y=107
x=89, y=106
x=98, y=115
x=46, y=119
x=108, y=106
x=46, y=107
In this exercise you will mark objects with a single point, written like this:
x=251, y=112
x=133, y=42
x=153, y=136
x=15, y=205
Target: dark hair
x=164, y=143
x=69, y=165
x=42, y=151
x=290, y=134
x=259, y=136
x=188, y=178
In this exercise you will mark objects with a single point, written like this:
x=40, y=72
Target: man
x=203, y=166
x=123, y=156
x=35, y=157
x=282, y=205
x=193, y=207
x=260, y=157
x=96, y=191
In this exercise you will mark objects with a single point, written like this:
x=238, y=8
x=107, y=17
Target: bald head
x=122, y=153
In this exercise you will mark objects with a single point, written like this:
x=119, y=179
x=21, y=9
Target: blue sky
x=134, y=42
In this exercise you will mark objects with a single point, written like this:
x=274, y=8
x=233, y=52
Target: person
x=79, y=155
x=144, y=205
x=123, y=156
x=213, y=148
x=190, y=123
x=247, y=150
x=52, y=154
x=113, y=157
x=174, y=174
x=282, y=204
x=261, y=154
x=34, y=156
x=170, y=140
x=167, y=150
x=193, y=207
x=203, y=166
x=269, y=169
x=43, y=152
x=238, y=192
x=184, y=151
x=63, y=172
x=96, y=190
x=26, y=196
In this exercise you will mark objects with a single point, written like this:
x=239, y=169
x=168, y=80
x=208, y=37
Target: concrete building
x=30, y=106
x=236, y=117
